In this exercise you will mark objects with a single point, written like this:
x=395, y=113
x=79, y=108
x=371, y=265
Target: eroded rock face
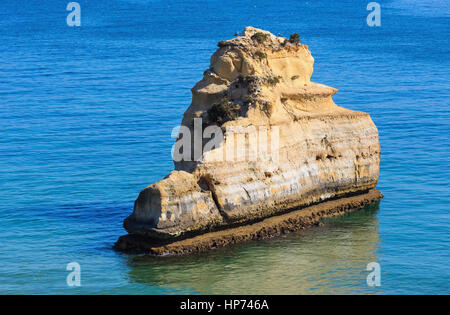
x=258, y=81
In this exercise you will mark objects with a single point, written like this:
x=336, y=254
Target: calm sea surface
x=86, y=116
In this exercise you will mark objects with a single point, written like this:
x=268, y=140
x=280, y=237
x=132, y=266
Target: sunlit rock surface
x=312, y=149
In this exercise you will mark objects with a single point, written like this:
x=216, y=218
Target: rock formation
x=299, y=147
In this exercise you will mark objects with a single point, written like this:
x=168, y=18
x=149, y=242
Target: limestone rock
x=174, y=202
x=258, y=81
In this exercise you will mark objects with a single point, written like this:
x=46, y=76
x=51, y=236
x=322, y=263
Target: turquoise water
x=86, y=116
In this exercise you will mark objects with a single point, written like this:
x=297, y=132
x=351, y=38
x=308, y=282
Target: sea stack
x=271, y=143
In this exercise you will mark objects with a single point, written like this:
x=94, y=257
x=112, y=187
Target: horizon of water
x=86, y=115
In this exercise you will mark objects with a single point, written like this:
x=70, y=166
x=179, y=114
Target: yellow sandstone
x=323, y=151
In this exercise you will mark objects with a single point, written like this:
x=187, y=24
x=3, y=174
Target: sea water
x=86, y=115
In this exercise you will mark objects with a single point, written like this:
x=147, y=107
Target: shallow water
x=86, y=116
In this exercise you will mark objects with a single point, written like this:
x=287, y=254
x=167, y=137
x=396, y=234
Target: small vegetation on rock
x=272, y=80
x=283, y=99
x=249, y=99
x=267, y=108
x=260, y=37
x=295, y=77
x=222, y=43
x=260, y=54
x=223, y=111
x=250, y=82
x=294, y=38
x=249, y=79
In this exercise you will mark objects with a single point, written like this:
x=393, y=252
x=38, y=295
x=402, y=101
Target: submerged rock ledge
x=267, y=228
x=311, y=149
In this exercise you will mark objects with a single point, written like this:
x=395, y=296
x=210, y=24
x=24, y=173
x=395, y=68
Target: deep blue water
x=86, y=115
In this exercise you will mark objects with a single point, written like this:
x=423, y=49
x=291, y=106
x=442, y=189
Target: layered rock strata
x=285, y=144
x=270, y=227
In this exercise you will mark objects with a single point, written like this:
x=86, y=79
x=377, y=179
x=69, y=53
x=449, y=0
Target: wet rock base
x=270, y=227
